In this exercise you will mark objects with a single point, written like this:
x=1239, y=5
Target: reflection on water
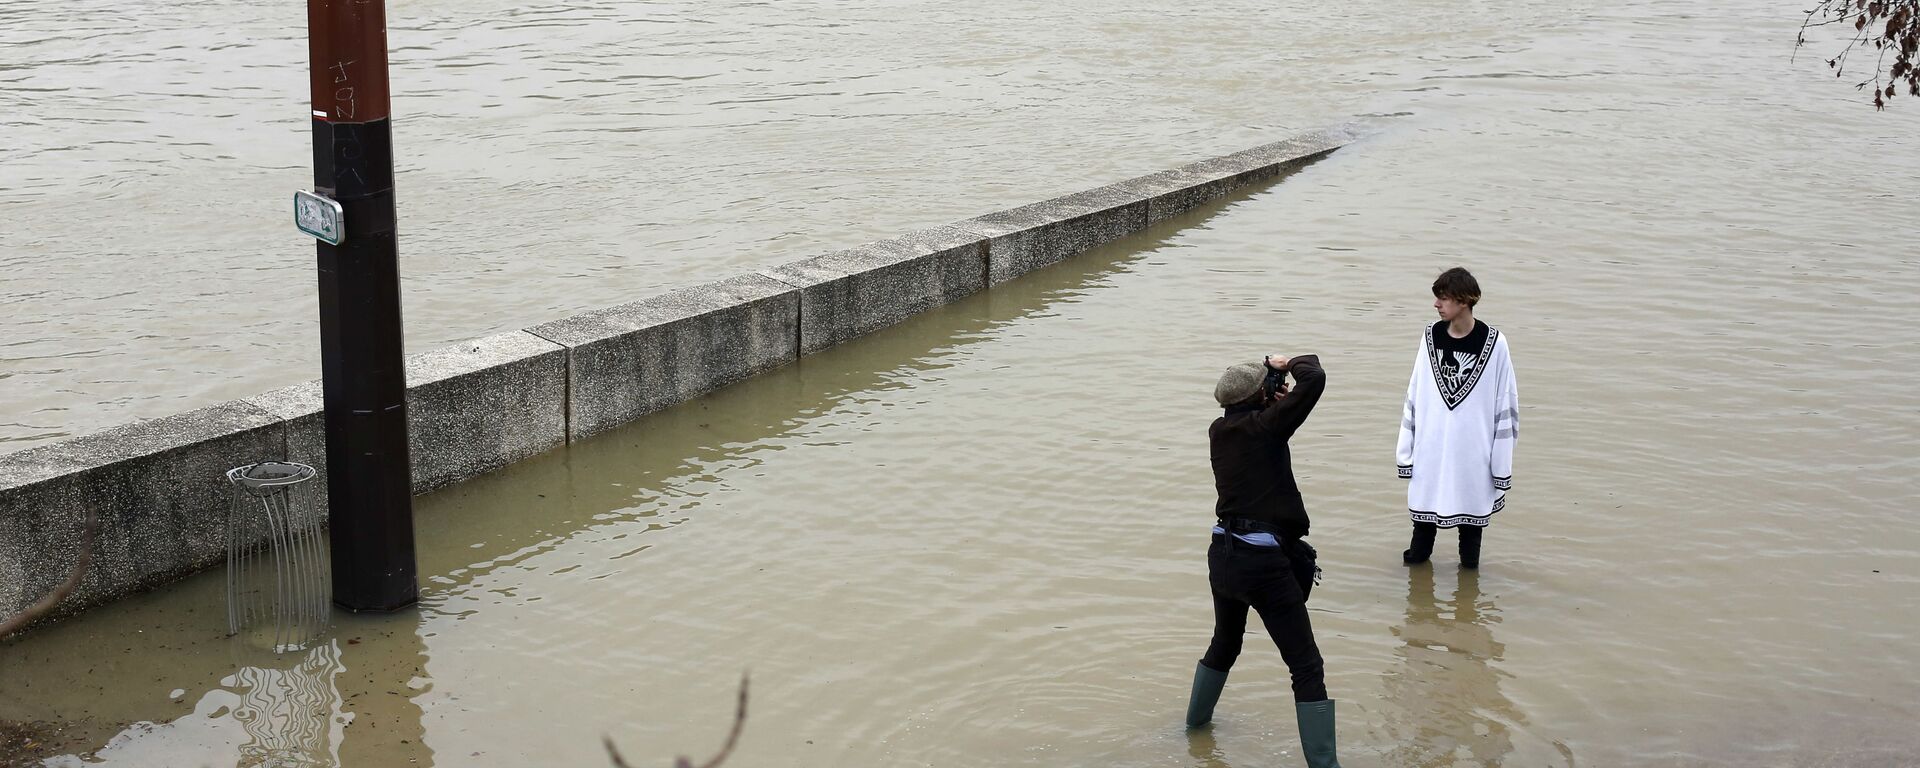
x=1205, y=750
x=288, y=712
x=1446, y=678
x=382, y=680
x=350, y=699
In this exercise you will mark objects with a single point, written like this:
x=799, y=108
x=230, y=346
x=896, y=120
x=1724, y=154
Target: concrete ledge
x=858, y=291
x=302, y=414
x=482, y=404
x=158, y=488
x=472, y=407
x=628, y=361
x=1173, y=192
x=1027, y=238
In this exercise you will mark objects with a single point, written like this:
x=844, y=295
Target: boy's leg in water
x=1422, y=546
x=1470, y=545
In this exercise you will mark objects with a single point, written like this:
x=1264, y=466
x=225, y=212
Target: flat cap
x=1240, y=383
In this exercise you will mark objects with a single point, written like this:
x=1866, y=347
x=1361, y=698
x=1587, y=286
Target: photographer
x=1257, y=559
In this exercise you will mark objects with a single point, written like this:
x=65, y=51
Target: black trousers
x=1270, y=582
x=1424, y=533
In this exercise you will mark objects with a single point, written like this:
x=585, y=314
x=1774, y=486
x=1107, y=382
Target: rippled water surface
x=976, y=538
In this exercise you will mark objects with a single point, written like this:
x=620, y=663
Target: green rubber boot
x=1316, y=733
x=1207, y=683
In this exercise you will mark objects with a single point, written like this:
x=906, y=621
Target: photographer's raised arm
x=1287, y=412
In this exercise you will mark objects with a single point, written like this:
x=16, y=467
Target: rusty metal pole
x=368, y=469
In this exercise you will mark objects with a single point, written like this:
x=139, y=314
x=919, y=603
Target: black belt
x=1245, y=525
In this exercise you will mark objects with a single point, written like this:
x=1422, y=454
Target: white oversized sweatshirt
x=1457, y=432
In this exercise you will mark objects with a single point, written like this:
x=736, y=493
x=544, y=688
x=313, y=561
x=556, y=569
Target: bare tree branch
x=66, y=588
x=1891, y=27
x=739, y=723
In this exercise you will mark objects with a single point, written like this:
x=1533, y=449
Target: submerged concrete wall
x=159, y=490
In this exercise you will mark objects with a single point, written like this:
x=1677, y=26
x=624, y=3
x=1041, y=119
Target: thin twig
x=739, y=720
x=739, y=723
x=614, y=752
x=66, y=588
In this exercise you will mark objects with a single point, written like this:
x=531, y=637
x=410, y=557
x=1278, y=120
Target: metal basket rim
x=297, y=473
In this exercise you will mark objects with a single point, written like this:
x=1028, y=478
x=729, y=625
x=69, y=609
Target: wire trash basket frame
x=277, y=561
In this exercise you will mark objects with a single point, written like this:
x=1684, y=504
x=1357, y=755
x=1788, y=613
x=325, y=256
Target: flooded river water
x=977, y=538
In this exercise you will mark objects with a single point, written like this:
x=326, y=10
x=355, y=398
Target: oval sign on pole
x=319, y=216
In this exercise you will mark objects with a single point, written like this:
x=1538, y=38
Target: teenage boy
x=1458, y=427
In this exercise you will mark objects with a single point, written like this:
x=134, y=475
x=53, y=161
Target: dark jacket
x=1252, y=468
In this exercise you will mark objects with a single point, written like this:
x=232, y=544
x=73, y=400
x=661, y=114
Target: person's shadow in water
x=1205, y=752
x=1450, y=710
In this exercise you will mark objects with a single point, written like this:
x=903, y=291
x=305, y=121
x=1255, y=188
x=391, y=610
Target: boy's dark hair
x=1457, y=284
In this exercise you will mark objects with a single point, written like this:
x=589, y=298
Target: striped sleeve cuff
x=1406, y=471
x=1503, y=483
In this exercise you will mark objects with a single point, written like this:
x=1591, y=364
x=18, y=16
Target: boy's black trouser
x=1274, y=581
x=1422, y=546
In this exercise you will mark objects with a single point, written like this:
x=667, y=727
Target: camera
x=1276, y=380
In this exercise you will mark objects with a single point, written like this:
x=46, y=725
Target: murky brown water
x=976, y=538
x=562, y=157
